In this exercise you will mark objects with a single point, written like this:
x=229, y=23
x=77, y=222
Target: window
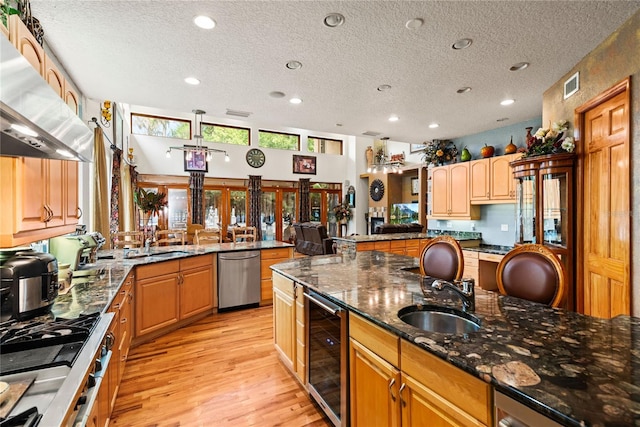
x=283, y=141
x=142, y=124
x=225, y=134
x=323, y=145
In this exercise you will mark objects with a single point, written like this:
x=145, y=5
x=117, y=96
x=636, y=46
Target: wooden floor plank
x=221, y=371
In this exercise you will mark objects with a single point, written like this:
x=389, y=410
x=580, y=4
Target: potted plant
x=150, y=203
x=342, y=213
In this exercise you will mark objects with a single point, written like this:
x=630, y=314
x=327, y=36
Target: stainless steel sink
x=444, y=320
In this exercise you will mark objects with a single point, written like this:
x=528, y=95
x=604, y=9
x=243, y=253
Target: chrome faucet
x=465, y=289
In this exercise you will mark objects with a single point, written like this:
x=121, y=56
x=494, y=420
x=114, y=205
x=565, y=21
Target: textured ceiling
x=139, y=52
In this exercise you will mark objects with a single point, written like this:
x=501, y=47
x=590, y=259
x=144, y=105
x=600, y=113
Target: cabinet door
x=156, y=303
x=196, y=291
x=30, y=193
x=502, y=181
x=72, y=210
x=374, y=388
x=284, y=320
x=301, y=335
x=479, y=179
x=459, y=190
x=26, y=44
x=419, y=408
x=54, y=77
x=55, y=181
x=71, y=98
x=440, y=191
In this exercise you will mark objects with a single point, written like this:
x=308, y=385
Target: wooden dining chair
x=191, y=232
x=532, y=272
x=243, y=234
x=170, y=237
x=127, y=239
x=442, y=258
x=207, y=236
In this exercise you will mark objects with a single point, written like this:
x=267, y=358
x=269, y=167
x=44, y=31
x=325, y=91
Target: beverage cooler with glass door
x=545, y=208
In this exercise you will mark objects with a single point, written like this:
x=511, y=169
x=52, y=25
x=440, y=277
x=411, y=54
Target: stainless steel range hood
x=27, y=101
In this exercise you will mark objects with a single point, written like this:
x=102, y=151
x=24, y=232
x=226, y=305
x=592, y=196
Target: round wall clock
x=376, y=190
x=255, y=158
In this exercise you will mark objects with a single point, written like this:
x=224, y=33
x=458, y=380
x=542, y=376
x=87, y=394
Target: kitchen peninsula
x=574, y=369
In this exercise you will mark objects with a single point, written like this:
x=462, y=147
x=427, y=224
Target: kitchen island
x=575, y=369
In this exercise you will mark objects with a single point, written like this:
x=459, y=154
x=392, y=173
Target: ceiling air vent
x=371, y=133
x=572, y=85
x=238, y=113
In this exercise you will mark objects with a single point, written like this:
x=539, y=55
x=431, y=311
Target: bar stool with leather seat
x=206, y=236
x=243, y=234
x=442, y=258
x=127, y=239
x=534, y=273
x=169, y=237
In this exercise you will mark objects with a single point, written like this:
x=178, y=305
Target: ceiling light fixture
x=24, y=130
x=198, y=150
x=461, y=44
x=464, y=89
x=192, y=81
x=519, y=66
x=386, y=164
x=393, y=118
x=293, y=65
x=295, y=101
x=414, y=23
x=382, y=88
x=204, y=22
x=333, y=20
x=434, y=125
x=507, y=102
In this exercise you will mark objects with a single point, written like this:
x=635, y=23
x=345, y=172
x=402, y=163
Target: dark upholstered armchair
x=312, y=239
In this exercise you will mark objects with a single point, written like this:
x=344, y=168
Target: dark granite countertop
x=458, y=235
x=490, y=249
x=576, y=369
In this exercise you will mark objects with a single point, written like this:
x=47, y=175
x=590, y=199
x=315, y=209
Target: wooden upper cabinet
x=54, y=77
x=503, y=184
x=459, y=190
x=479, y=179
x=439, y=191
x=71, y=98
x=26, y=44
x=450, y=193
x=72, y=210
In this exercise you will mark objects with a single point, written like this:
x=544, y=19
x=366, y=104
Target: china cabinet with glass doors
x=545, y=204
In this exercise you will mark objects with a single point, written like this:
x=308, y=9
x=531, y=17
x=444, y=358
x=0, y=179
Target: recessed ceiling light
x=382, y=88
x=393, y=118
x=464, y=89
x=339, y=124
x=414, y=23
x=462, y=44
x=333, y=20
x=434, y=125
x=192, y=81
x=507, y=102
x=295, y=100
x=276, y=94
x=204, y=22
x=293, y=65
x=519, y=66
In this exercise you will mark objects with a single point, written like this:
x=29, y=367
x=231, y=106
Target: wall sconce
x=105, y=112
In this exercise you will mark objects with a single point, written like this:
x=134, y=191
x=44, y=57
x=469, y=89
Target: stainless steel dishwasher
x=238, y=279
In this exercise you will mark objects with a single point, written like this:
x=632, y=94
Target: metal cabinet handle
x=391, y=383
x=402, y=387
x=124, y=320
x=79, y=214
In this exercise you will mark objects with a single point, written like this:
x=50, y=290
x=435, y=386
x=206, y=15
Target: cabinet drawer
x=412, y=244
x=382, y=342
x=397, y=244
x=491, y=257
x=367, y=246
x=471, y=262
x=157, y=269
x=282, y=253
x=468, y=393
x=470, y=254
x=382, y=246
x=196, y=261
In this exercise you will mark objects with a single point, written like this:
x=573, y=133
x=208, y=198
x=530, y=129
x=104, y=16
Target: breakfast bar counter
x=575, y=369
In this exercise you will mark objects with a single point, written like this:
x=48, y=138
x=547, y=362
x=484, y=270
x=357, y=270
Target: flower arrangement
x=342, y=212
x=551, y=140
x=149, y=201
x=439, y=152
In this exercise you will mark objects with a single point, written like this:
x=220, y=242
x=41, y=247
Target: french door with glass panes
x=277, y=211
x=225, y=207
x=322, y=202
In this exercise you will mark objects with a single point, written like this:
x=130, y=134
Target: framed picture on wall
x=195, y=161
x=304, y=164
x=415, y=186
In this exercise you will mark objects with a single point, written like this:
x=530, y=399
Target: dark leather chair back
x=442, y=258
x=534, y=273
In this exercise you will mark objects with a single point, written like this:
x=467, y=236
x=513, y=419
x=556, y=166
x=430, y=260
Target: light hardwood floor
x=220, y=371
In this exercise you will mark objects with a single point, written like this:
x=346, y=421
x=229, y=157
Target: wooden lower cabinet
x=171, y=291
x=426, y=391
x=269, y=257
x=471, y=265
x=289, y=331
x=409, y=247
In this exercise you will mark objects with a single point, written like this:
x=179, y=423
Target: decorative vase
x=528, y=137
x=369, y=155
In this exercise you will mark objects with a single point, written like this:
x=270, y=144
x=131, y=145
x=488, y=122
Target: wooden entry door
x=606, y=252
